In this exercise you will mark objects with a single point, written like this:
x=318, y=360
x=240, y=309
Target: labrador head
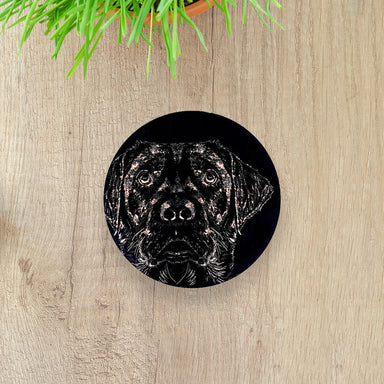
x=176, y=209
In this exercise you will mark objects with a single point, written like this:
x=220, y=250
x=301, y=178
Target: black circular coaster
x=192, y=199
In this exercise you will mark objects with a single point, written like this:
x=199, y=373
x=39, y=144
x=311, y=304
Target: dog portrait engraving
x=176, y=210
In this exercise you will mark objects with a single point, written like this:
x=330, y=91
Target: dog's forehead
x=199, y=148
x=154, y=149
x=164, y=150
x=147, y=153
x=203, y=151
x=177, y=151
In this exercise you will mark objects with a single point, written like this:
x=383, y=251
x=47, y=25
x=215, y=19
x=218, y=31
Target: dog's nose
x=183, y=210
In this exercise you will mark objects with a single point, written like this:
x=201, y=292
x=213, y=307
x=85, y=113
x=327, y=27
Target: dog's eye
x=144, y=177
x=210, y=177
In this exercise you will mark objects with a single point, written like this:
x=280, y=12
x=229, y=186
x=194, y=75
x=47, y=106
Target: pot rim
x=191, y=10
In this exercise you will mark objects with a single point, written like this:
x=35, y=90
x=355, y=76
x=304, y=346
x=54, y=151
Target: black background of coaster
x=196, y=126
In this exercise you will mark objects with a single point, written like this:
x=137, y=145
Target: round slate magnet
x=192, y=199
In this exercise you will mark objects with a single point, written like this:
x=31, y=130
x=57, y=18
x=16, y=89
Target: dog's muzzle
x=179, y=217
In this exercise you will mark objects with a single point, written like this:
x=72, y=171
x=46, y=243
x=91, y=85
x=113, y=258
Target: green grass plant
x=91, y=18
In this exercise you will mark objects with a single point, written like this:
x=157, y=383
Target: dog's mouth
x=177, y=252
x=183, y=259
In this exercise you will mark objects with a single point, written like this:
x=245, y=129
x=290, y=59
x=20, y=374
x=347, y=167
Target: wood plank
x=308, y=311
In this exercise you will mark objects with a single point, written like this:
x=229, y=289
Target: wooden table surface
x=310, y=310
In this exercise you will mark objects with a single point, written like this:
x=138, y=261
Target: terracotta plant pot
x=191, y=10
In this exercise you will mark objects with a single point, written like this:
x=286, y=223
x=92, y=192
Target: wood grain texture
x=310, y=310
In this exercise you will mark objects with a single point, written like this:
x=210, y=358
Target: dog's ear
x=114, y=189
x=250, y=189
